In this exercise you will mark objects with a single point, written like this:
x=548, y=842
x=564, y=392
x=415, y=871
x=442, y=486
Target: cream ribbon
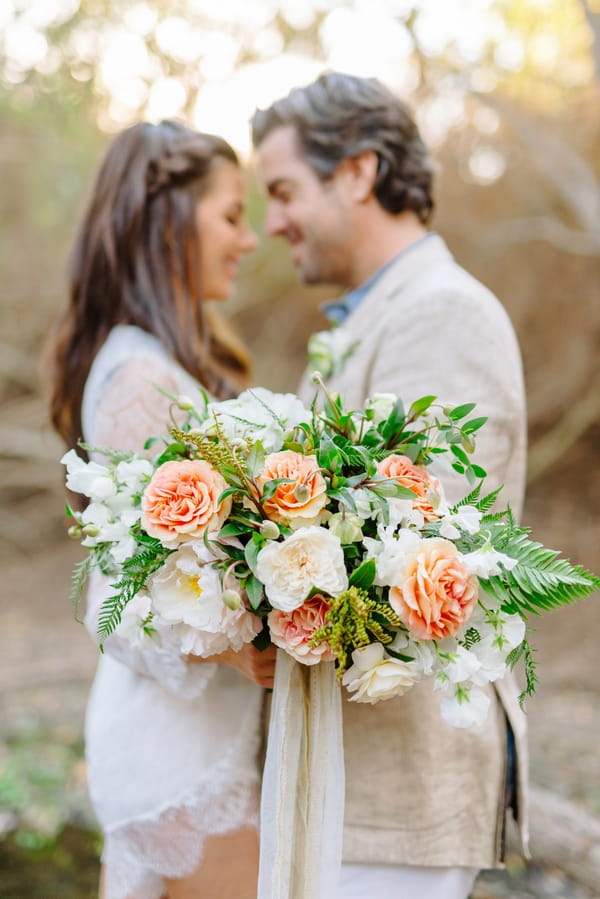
x=302, y=802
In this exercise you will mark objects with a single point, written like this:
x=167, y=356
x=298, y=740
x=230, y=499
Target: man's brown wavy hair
x=339, y=116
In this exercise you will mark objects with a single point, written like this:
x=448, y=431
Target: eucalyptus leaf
x=364, y=575
x=460, y=411
x=255, y=592
x=419, y=406
x=251, y=551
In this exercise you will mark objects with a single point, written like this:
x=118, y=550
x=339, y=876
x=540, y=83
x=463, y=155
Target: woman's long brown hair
x=136, y=261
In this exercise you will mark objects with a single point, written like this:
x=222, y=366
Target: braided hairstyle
x=135, y=261
x=339, y=116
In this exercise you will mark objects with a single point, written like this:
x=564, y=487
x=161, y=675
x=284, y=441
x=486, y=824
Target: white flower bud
x=347, y=527
x=74, y=532
x=91, y=530
x=232, y=599
x=184, y=403
x=302, y=493
x=468, y=443
x=269, y=530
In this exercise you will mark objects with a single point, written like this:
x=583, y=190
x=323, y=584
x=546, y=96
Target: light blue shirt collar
x=338, y=310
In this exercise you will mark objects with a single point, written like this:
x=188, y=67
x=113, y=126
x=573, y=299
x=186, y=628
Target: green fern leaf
x=541, y=580
x=81, y=572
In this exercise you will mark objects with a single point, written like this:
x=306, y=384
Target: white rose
x=311, y=558
x=375, y=675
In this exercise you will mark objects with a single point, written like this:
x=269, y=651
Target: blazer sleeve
x=129, y=411
x=459, y=346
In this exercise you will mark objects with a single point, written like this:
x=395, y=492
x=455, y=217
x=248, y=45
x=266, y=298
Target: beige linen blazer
x=418, y=791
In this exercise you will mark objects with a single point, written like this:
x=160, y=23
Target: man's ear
x=359, y=173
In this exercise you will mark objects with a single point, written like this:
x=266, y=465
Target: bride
x=171, y=741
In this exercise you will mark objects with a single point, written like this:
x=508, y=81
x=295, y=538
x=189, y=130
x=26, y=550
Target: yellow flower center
x=191, y=584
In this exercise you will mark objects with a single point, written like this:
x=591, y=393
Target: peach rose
x=300, y=503
x=416, y=478
x=437, y=593
x=181, y=501
x=292, y=631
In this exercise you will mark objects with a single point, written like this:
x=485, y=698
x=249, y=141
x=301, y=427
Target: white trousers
x=395, y=882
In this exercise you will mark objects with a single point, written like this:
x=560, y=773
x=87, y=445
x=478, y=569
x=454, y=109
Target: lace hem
x=139, y=856
x=169, y=841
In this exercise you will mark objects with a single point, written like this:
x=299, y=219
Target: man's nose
x=276, y=222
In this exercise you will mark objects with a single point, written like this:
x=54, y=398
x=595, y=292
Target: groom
x=350, y=187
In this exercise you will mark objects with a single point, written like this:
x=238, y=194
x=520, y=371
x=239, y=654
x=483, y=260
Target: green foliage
x=135, y=572
x=354, y=619
x=79, y=577
x=363, y=576
x=472, y=636
x=541, y=580
x=524, y=652
x=38, y=785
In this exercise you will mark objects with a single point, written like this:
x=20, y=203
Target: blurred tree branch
x=593, y=20
x=564, y=434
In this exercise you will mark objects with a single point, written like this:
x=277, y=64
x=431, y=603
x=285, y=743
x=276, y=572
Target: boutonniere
x=328, y=351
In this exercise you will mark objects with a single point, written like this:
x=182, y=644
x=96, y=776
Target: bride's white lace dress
x=171, y=746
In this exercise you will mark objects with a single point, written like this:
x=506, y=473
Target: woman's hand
x=253, y=663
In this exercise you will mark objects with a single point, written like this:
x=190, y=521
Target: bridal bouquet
x=327, y=532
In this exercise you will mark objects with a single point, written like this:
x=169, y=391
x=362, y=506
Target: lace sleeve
x=129, y=411
x=131, y=408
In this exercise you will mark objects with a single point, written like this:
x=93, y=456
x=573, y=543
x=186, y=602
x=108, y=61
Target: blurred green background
x=507, y=95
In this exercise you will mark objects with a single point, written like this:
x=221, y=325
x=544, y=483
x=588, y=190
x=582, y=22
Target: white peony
x=258, y=414
x=239, y=627
x=375, y=675
x=89, y=478
x=186, y=592
x=311, y=558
